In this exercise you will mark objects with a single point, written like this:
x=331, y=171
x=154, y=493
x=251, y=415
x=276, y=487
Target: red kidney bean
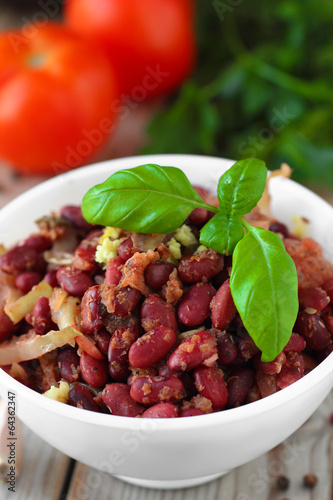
x=69, y=365
x=99, y=279
x=157, y=273
x=198, y=349
x=239, y=385
x=102, y=340
x=7, y=327
x=91, y=307
x=164, y=371
x=247, y=348
x=112, y=322
x=270, y=367
x=188, y=383
x=207, y=196
x=328, y=287
x=126, y=300
x=293, y=370
x=25, y=281
x=190, y=412
x=223, y=309
x=314, y=298
x=95, y=235
x=226, y=348
x=81, y=397
x=38, y=242
x=210, y=384
x=278, y=227
x=126, y=249
x=51, y=278
x=73, y=214
x=193, y=308
x=41, y=265
x=85, y=257
x=253, y=394
x=201, y=266
x=152, y=347
x=41, y=317
x=156, y=389
x=119, y=345
x=310, y=363
x=74, y=281
x=296, y=343
x=161, y=410
x=117, y=398
x=155, y=312
x=313, y=330
x=18, y=260
x=328, y=320
x=199, y=216
x=141, y=372
x=113, y=273
x=267, y=384
x=94, y=371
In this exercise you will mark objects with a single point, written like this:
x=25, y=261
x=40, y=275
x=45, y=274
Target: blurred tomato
x=57, y=96
x=150, y=42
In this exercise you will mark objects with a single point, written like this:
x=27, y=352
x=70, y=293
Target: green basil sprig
x=263, y=281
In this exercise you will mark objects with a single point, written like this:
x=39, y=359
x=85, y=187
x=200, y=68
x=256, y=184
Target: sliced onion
x=146, y=242
x=25, y=304
x=59, y=258
x=264, y=202
x=32, y=346
x=64, y=308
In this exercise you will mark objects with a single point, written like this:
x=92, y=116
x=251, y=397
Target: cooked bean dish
x=144, y=325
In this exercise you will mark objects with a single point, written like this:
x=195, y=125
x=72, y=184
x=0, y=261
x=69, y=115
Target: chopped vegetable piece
x=17, y=310
x=31, y=346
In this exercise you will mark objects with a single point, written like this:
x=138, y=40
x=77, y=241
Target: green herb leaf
x=264, y=286
x=148, y=198
x=241, y=187
x=222, y=233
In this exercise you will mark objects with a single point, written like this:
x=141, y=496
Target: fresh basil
x=264, y=286
x=263, y=281
x=148, y=198
x=241, y=187
x=222, y=233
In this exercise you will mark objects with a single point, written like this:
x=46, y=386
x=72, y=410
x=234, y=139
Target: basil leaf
x=148, y=198
x=222, y=233
x=264, y=285
x=241, y=187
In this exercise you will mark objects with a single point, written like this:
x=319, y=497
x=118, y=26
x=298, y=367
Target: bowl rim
x=219, y=418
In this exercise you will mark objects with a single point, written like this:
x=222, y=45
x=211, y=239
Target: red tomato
x=57, y=95
x=150, y=42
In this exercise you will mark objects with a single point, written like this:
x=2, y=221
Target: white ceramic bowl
x=167, y=453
